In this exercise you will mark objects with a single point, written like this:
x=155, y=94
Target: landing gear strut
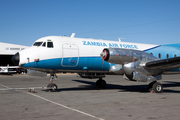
x=155, y=87
x=51, y=86
x=101, y=83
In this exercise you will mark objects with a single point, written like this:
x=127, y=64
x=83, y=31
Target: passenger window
x=175, y=55
x=44, y=44
x=151, y=53
x=167, y=56
x=50, y=44
x=160, y=55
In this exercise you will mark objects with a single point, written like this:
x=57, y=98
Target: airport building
x=6, y=53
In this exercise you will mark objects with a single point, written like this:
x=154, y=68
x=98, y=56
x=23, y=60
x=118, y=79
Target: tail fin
x=173, y=45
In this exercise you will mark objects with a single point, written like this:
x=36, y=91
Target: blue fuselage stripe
x=90, y=63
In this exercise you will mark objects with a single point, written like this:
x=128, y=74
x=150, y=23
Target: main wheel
x=151, y=85
x=101, y=83
x=98, y=83
x=157, y=87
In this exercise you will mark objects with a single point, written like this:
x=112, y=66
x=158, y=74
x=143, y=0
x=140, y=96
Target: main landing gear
x=101, y=83
x=155, y=87
x=51, y=86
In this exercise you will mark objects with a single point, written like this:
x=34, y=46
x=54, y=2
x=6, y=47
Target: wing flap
x=165, y=64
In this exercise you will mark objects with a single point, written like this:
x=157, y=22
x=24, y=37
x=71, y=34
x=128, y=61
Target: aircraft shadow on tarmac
x=123, y=88
x=171, y=84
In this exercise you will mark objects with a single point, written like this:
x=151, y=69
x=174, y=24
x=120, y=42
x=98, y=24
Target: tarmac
x=79, y=99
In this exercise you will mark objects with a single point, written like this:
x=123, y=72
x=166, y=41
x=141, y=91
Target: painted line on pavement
x=84, y=113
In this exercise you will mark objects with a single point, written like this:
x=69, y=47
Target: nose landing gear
x=51, y=86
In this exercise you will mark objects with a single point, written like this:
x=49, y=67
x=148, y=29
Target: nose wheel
x=51, y=86
x=155, y=87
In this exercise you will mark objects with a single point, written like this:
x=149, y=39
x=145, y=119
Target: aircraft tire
x=151, y=85
x=101, y=83
x=53, y=87
x=98, y=83
x=157, y=87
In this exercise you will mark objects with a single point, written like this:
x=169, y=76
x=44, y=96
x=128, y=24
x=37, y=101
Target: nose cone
x=103, y=54
x=15, y=59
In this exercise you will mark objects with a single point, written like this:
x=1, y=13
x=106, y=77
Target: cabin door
x=70, y=55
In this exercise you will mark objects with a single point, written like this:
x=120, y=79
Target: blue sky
x=142, y=21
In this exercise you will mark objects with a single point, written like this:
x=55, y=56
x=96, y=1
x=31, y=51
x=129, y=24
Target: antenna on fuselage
x=72, y=35
x=120, y=39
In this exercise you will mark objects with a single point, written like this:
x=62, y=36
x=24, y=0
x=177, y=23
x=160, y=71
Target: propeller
x=104, y=56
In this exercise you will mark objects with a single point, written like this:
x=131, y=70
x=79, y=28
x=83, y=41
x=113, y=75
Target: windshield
x=37, y=43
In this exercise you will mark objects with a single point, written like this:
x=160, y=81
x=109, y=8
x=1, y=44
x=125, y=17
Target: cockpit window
x=50, y=44
x=37, y=43
x=44, y=44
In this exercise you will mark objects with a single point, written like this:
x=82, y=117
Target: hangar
x=6, y=52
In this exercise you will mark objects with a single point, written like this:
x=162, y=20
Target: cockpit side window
x=44, y=44
x=37, y=43
x=50, y=44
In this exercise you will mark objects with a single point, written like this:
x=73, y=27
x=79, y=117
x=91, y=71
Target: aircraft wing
x=164, y=64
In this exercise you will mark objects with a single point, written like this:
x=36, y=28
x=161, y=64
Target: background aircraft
x=92, y=58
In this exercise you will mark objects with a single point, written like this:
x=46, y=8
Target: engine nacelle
x=124, y=56
x=136, y=76
x=132, y=63
x=118, y=55
x=134, y=72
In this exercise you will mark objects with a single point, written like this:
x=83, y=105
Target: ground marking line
x=58, y=104
x=4, y=86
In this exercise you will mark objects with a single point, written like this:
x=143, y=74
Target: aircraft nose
x=15, y=59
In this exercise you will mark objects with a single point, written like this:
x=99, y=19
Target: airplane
x=96, y=58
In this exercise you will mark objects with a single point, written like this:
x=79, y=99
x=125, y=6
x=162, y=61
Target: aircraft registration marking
x=114, y=45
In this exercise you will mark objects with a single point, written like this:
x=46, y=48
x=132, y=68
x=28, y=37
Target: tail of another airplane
x=173, y=45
